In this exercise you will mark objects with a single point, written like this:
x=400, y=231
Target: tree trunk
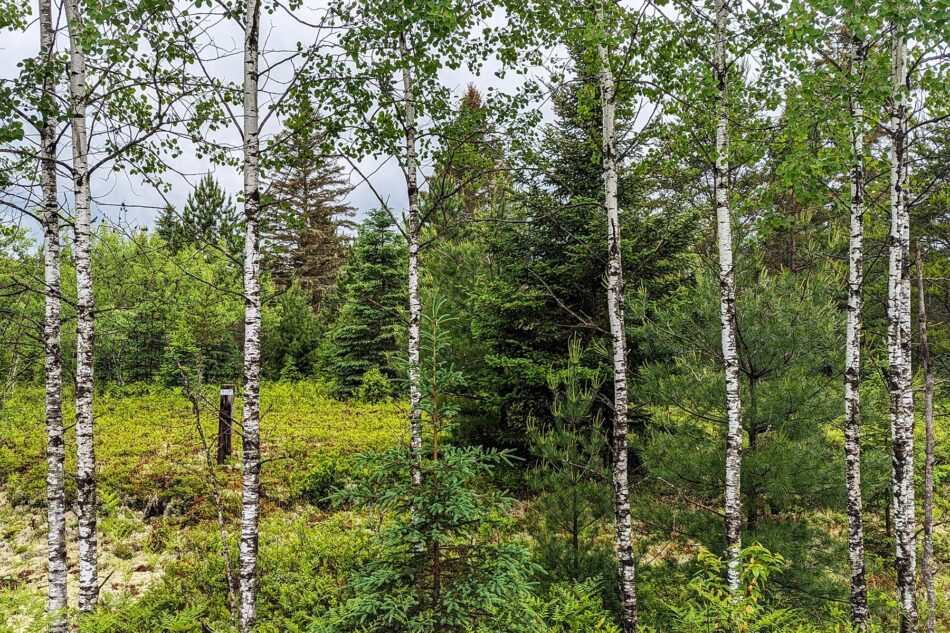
x=615, y=289
x=852, y=372
x=926, y=563
x=85, y=447
x=55, y=443
x=415, y=303
x=727, y=307
x=250, y=495
x=899, y=351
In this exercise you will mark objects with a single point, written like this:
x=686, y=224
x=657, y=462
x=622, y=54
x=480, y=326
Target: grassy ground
x=161, y=567
x=157, y=519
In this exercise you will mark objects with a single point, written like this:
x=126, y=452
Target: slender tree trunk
x=55, y=443
x=926, y=563
x=250, y=497
x=727, y=306
x=615, y=288
x=899, y=341
x=85, y=447
x=216, y=497
x=852, y=372
x=415, y=303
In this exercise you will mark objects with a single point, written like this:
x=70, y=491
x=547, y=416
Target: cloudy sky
x=280, y=32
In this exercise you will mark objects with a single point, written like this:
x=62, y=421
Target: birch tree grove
x=852, y=372
x=56, y=441
x=82, y=199
x=618, y=337
x=899, y=376
x=250, y=497
x=727, y=301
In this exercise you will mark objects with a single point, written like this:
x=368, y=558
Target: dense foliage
x=496, y=277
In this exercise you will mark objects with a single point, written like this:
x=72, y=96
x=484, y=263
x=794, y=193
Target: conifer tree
x=373, y=288
x=306, y=221
x=210, y=219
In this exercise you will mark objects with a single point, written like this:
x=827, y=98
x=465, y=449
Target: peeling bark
x=626, y=572
x=727, y=307
x=250, y=490
x=899, y=342
x=52, y=346
x=85, y=446
x=926, y=562
x=415, y=303
x=852, y=372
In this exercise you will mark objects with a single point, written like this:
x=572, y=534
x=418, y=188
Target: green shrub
x=570, y=607
x=709, y=605
x=329, y=472
x=301, y=565
x=374, y=387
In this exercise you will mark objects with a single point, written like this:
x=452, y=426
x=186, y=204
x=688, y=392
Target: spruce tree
x=365, y=329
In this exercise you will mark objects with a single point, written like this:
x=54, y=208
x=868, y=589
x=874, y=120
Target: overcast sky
x=279, y=31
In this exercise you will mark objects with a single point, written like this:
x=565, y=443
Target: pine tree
x=373, y=289
x=209, y=220
x=168, y=227
x=306, y=220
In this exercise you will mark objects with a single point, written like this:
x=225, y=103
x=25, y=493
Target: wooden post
x=225, y=413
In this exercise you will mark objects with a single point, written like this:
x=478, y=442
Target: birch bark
x=727, y=306
x=52, y=347
x=250, y=496
x=852, y=373
x=415, y=302
x=615, y=289
x=85, y=447
x=899, y=352
x=926, y=563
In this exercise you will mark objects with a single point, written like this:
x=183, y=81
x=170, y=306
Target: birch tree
x=126, y=65
x=727, y=300
x=291, y=69
x=899, y=375
x=250, y=494
x=55, y=443
x=415, y=302
x=852, y=372
x=618, y=335
x=926, y=561
x=82, y=199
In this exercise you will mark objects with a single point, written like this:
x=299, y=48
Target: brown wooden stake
x=225, y=418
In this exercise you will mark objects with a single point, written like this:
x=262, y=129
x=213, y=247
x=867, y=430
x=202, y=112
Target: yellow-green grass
x=157, y=520
x=149, y=450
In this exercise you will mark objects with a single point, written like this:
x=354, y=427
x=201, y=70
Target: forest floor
x=156, y=507
x=161, y=567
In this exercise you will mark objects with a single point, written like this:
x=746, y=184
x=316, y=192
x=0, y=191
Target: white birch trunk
x=727, y=307
x=85, y=448
x=852, y=372
x=415, y=302
x=926, y=563
x=250, y=498
x=899, y=340
x=615, y=289
x=52, y=347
